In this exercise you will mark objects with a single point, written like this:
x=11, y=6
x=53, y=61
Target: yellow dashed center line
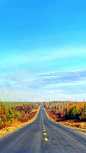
x=46, y=139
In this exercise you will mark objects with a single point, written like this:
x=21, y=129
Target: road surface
x=43, y=136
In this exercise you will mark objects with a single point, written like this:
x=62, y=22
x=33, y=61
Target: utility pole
x=62, y=109
x=67, y=107
x=59, y=107
x=1, y=108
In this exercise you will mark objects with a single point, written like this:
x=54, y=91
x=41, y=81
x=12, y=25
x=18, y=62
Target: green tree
x=10, y=115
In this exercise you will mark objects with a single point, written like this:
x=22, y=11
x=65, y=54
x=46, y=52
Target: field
x=68, y=113
x=15, y=113
x=10, y=104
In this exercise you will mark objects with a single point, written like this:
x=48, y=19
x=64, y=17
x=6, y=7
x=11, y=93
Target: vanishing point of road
x=43, y=136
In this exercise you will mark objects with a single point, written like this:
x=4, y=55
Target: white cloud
x=37, y=95
x=22, y=86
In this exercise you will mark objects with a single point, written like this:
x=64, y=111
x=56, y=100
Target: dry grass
x=69, y=123
x=16, y=125
x=81, y=125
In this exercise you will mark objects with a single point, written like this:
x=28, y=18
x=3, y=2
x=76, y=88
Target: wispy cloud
x=64, y=76
x=43, y=86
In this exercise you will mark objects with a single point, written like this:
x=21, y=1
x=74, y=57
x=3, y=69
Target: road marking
x=46, y=139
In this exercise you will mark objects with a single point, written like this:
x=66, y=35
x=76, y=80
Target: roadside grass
x=15, y=124
x=7, y=129
x=69, y=123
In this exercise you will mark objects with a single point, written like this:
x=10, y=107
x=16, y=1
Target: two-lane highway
x=43, y=136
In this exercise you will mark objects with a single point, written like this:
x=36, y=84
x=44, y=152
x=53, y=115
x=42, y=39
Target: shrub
x=1, y=122
x=21, y=116
x=10, y=115
x=7, y=129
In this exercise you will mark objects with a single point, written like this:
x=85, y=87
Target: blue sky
x=42, y=50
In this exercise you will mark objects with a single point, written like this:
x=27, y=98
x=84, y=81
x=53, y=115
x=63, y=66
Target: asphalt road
x=43, y=136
